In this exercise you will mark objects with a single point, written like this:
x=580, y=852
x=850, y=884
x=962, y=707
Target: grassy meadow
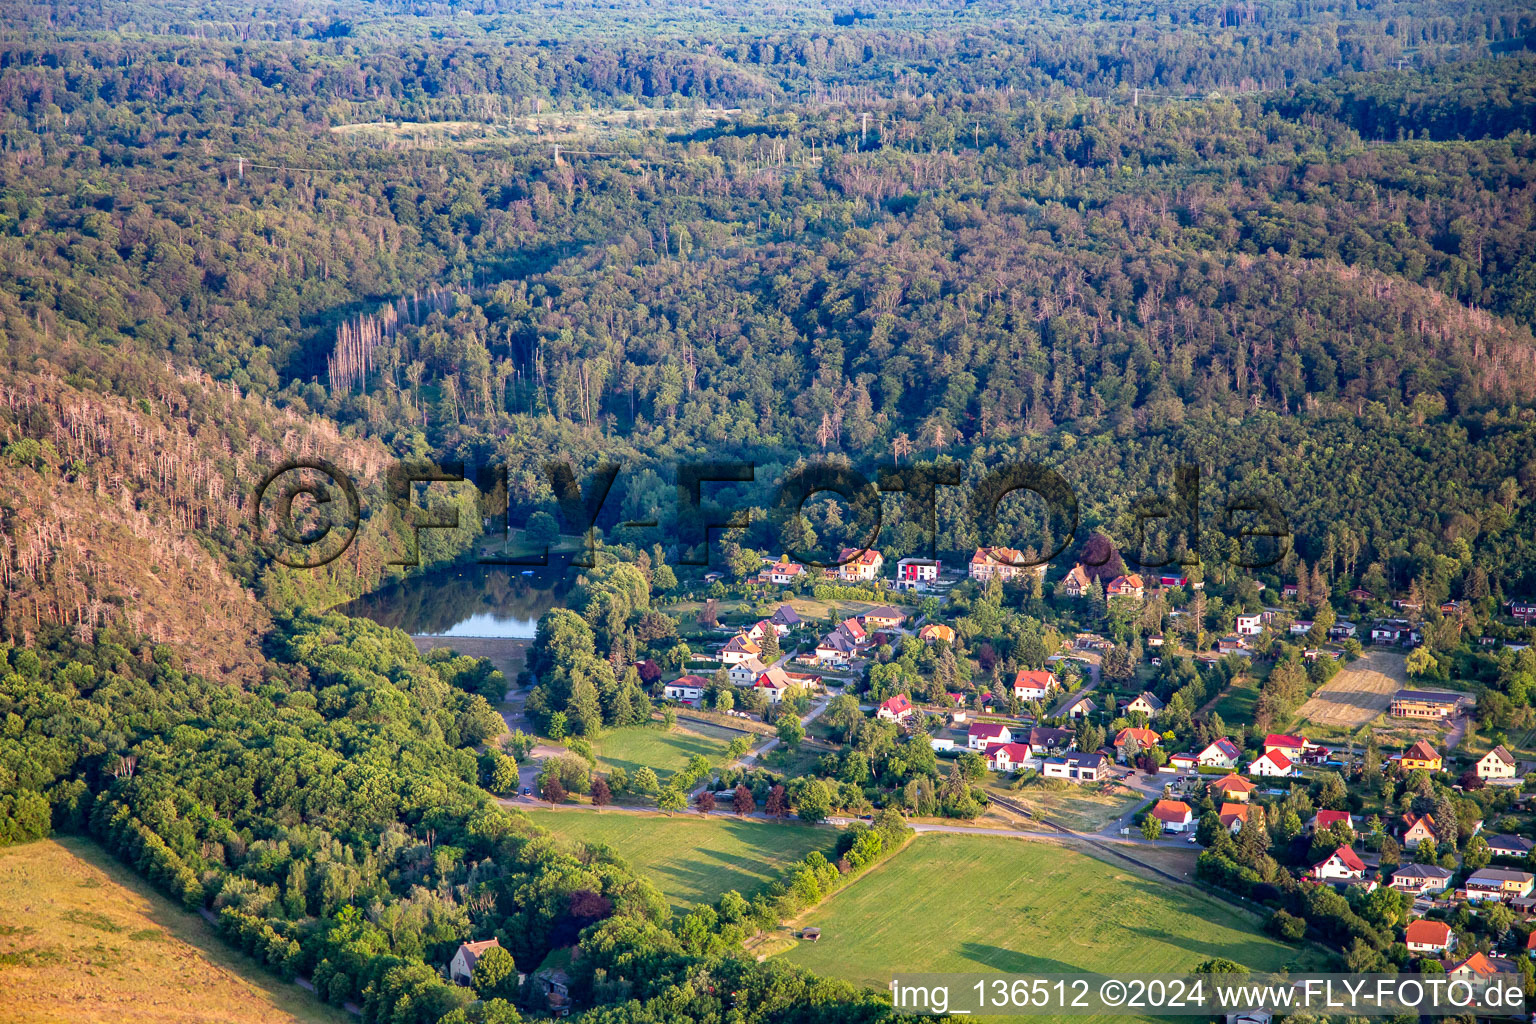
x=84, y=941
x=692, y=859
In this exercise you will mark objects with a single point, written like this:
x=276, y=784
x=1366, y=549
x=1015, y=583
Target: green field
x=975, y=904
x=663, y=752
x=693, y=859
x=1236, y=705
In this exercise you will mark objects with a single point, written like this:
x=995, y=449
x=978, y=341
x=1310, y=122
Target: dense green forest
x=1291, y=244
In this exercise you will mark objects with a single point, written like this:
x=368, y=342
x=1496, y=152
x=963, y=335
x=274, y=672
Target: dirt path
x=1359, y=693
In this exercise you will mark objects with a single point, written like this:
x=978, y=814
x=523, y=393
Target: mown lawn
x=86, y=941
x=692, y=859
x=977, y=904
x=664, y=752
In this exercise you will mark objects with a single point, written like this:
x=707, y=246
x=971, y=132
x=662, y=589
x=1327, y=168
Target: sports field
x=1357, y=694
x=692, y=859
x=975, y=904
x=664, y=752
x=83, y=940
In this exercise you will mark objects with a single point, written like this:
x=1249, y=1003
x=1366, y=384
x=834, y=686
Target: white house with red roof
x=1293, y=747
x=897, y=709
x=686, y=688
x=1273, y=764
x=1007, y=757
x=784, y=571
x=1034, y=684
x=1343, y=863
x=1126, y=586
x=1222, y=753
x=982, y=735
x=1174, y=814
x=1426, y=936
x=775, y=682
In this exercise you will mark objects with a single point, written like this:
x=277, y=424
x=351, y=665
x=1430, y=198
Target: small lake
x=504, y=601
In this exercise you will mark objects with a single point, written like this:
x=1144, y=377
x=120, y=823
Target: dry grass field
x=84, y=941
x=1359, y=693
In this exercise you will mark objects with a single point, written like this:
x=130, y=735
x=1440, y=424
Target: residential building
x=740, y=648
x=1301, y=626
x=854, y=630
x=1361, y=594
x=1433, y=704
x=1341, y=630
x=1076, y=582
x=835, y=649
x=1390, y=631
x=689, y=688
x=1429, y=937
x=784, y=571
x=1323, y=820
x=785, y=619
x=1289, y=591
x=1510, y=846
x=1131, y=586
x=1499, y=883
x=1222, y=753
x=760, y=629
x=921, y=571
x=1007, y=757
x=1034, y=684
x=1003, y=564
x=1233, y=644
x=1416, y=829
x=1143, y=738
x=1147, y=703
x=1043, y=740
x=1422, y=878
x=897, y=709
x=1477, y=967
x=462, y=966
x=1421, y=755
x=1183, y=761
x=1231, y=787
x=745, y=673
x=934, y=631
x=1250, y=625
x=884, y=617
x=1523, y=608
x=982, y=735
x=1498, y=763
x=1343, y=863
x=1080, y=706
x=1174, y=814
x=775, y=682
x=859, y=565
x=1293, y=747
x=1272, y=764
x=1233, y=817
x=1076, y=766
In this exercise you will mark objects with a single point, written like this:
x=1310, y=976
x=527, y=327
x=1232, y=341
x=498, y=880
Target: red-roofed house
x=1417, y=829
x=1273, y=764
x=1003, y=563
x=1223, y=753
x=1341, y=863
x=1034, y=684
x=1293, y=747
x=1144, y=738
x=1327, y=819
x=1476, y=966
x=984, y=734
x=1174, y=814
x=1126, y=586
x=1007, y=757
x=897, y=709
x=1430, y=937
x=857, y=564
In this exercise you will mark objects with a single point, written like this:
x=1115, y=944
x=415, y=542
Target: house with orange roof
x=860, y=565
x=1233, y=816
x=1174, y=814
x=1076, y=582
x=1231, y=787
x=1425, y=936
x=1144, y=738
x=740, y=648
x=1002, y=564
x=1131, y=586
x=934, y=632
x=1416, y=829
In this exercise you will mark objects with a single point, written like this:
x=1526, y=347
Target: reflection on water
x=469, y=600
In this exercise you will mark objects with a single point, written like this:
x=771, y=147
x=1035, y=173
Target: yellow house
x=1421, y=755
